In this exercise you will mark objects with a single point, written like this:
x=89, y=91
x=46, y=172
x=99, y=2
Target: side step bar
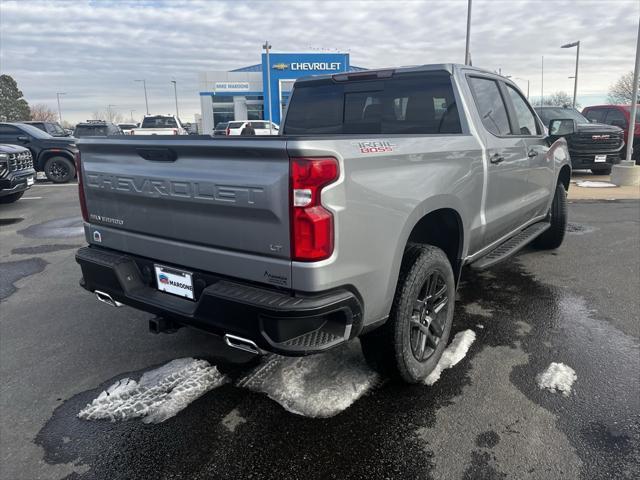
x=511, y=246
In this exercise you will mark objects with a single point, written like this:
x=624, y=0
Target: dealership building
x=245, y=93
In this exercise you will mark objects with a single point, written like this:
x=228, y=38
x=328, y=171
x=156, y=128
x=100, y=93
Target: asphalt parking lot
x=486, y=418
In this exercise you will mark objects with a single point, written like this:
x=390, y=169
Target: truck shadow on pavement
x=389, y=433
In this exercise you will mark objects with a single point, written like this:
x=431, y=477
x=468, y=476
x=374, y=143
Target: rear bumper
x=279, y=321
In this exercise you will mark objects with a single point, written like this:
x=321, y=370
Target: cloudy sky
x=94, y=50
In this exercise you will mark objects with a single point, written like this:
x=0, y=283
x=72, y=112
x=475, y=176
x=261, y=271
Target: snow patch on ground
x=455, y=352
x=320, y=385
x=158, y=395
x=474, y=308
x=592, y=184
x=557, y=377
x=233, y=420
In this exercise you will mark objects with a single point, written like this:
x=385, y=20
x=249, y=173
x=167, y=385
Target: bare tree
x=108, y=116
x=621, y=91
x=42, y=113
x=559, y=99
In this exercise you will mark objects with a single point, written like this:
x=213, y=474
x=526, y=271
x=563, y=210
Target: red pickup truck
x=620, y=116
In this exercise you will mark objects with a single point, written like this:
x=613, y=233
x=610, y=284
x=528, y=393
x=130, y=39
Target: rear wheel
x=554, y=235
x=602, y=170
x=59, y=169
x=14, y=197
x=411, y=343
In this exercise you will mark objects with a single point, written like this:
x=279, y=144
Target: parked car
x=52, y=155
x=96, y=128
x=16, y=172
x=127, y=127
x=593, y=146
x=160, y=125
x=52, y=128
x=356, y=222
x=261, y=127
x=221, y=129
x=618, y=116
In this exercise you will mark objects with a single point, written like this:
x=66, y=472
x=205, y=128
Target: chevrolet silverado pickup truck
x=355, y=222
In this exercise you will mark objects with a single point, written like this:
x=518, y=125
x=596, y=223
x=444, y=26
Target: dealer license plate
x=601, y=158
x=30, y=181
x=176, y=282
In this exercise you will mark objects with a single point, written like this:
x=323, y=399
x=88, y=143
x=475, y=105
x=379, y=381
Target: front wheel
x=59, y=169
x=14, y=197
x=554, y=235
x=411, y=343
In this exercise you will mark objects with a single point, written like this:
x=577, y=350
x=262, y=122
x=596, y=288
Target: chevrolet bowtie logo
x=280, y=66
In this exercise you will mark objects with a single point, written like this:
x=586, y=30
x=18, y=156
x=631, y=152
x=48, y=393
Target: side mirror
x=562, y=126
x=23, y=138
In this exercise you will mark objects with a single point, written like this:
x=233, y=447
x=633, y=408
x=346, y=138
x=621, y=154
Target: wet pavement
x=485, y=418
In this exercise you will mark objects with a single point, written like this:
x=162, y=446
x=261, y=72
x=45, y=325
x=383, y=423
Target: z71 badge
x=378, y=146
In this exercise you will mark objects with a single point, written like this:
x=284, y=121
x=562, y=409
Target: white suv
x=260, y=126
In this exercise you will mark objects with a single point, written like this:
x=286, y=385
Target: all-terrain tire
x=14, y=197
x=554, y=235
x=390, y=348
x=59, y=169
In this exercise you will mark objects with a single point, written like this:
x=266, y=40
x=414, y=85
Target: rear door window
x=416, y=103
x=491, y=107
x=525, y=118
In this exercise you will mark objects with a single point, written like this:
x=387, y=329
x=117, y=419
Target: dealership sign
x=322, y=66
x=232, y=87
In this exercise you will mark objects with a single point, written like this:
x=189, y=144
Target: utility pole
x=267, y=48
x=467, y=53
x=575, y=82
x=146, y=100
x=59, y=110
x=175, y=93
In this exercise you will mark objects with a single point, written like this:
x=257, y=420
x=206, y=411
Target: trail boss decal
x=378, y=146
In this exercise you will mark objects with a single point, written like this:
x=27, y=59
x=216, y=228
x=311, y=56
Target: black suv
x=52, y=128
x=593, y=146
x=53, y=156
x=96, y=128
x=16, y=172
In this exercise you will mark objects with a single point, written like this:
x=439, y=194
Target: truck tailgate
x=229, y=195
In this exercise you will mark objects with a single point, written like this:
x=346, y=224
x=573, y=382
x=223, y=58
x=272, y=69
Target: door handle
x=496, y=158
x=532, y=153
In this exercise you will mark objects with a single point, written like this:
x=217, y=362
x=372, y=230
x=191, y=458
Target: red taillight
x=311, y=223
x=131, y=132
x=83, y=200
x=175, y=131
x=228, y=131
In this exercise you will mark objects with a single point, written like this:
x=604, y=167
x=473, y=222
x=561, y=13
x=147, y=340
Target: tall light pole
x=575, y=80
x=542, y=84
x=627, y=172
x=146, y=100
x=59, y=109
x=267, y=48
x=175, y=94
x=525, y=80
x=467, y=53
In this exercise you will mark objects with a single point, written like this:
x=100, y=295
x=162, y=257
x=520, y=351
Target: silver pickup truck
x=356, y=221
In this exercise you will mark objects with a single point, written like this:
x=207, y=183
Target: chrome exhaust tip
x=106, y=298
x=243, y=344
